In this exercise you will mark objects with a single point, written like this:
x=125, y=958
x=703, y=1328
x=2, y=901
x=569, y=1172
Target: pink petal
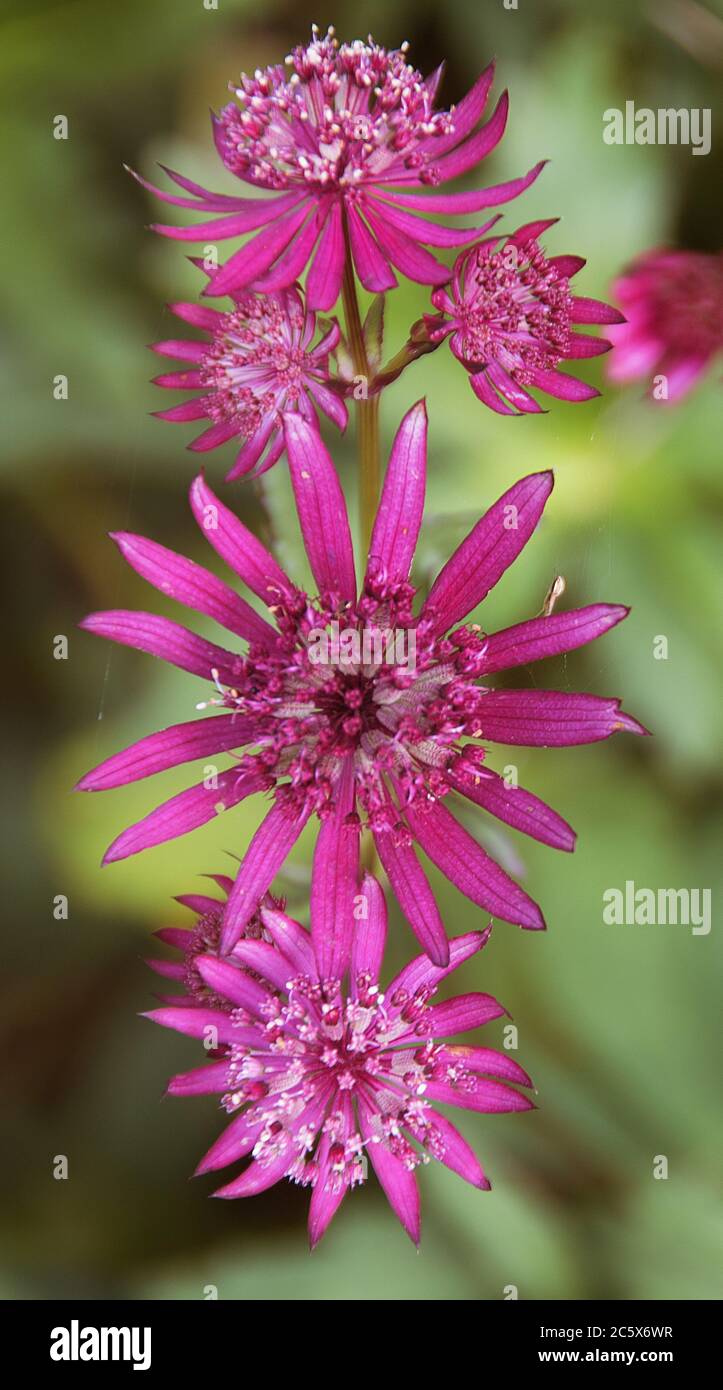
x=399, y=514
x=486, y=1060
x=270, y=846
x=515, y=807
x=594, y=311
x=466, y=864
x=545, y=637
x=240, y=549
x=291, y=938
x=488, y=1098
x=371, y=266
x=186, y=811
x=294, y=260
x=551, y=718
x=399, y=1185
x=323, y=283
x=456, y=1153
x=490, y=548
x=370, y=935
x=461, y=1014
x=195, y=1022
x=453, y=203
x=478, y=146
x=322, y=510
x=427, y=233
x=334, y=881
x=327, y=1195
x=202, y=1081
x=147, y=632
x=236, y=1142
x=258, y=254
x=412, y=890
x=235, y=985
x=404, y=253
x=182, y=743
x=562, y=386
x=421, y=971
x=257, y=213
x=194, y=586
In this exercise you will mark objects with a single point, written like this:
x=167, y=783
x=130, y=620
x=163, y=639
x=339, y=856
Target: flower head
x=342, y=135
x=203, y=940
x=261, y=362
x=379, y=730
x=509, y=314
x=319, y=1077
x=673, y=304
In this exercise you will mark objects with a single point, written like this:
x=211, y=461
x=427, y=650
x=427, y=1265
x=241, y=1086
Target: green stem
x=367, y=411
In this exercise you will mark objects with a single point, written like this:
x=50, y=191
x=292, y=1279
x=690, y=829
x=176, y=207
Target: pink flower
x=261, y=362
x=369, y=726
x=509, y=314
x=204, y=940
x=673, y=303
x=343, y=136
x=319, y=1078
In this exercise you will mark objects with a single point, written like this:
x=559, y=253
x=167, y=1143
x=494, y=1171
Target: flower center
x=514, y=309
x=255, y=362
x=344, y=114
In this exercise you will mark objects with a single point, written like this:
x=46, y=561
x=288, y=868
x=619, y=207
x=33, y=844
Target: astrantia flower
x=319, y=1078
x=673, y=303
x=343, y=134
x=509, y=314
x=261, y=362
x=204, y=940
x=379, y=729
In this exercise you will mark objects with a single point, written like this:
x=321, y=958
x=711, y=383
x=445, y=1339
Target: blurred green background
x=616, y=1024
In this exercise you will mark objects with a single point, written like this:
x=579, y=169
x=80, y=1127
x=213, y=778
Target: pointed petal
x=186, y=811
x=233, y=984
x=489, y=549
x=334, y=881
x=551, y=718
x=291, y=938
x=322, y=510
x=454, y=203
x=413, y=892
x=466, y=864
x=160, y=637
x=270, y=846
x=193, y=586
x=515, y=807
x=243, y=553
x=544, y=637
x=182, y=743
x=323, y=284
x=398, y=1184
x=370, y=935
x=399, y=515
x=371, y=266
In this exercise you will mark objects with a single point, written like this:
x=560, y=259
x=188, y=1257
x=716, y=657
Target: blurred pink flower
x=343, y=135
x=673, y=304
x=509, y=314
x=261, y=362
x=319, y=1077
